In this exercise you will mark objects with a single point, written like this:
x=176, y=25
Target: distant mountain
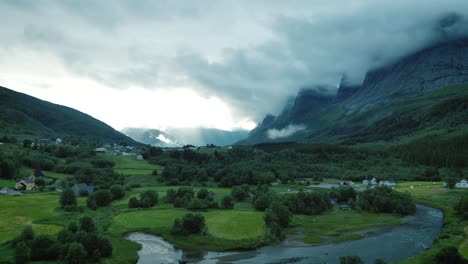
x=175, y=137
x=394, y=96
x=27, y=116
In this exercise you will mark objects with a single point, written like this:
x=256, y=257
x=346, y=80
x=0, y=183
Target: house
x=345, y=207
x=276, y=183
x=387, y=183
x=58, y=141
x=300, y=180
x=82, y=187
x=100, y=150
x=462, y=184
x=370, y=180
x=139, y=157
x=25, y=184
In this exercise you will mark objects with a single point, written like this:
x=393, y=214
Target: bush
x=227, y=202
x=117, y=192
x=22, y=253
x=102, y=197
x=198, y=204
x=263, y=201
x=239, y=193
x=171, y=196
x=44, y=248
x=87, y=224
x=190, y=224
x=76, y=254
x=68, y=199
x=202, y=194
x=148, y=199
x=91, y=203
x=27, y=234
x=133, y=203
x=449, y=255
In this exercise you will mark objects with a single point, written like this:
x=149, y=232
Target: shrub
x=171, y=196
x=449, y=255
x=68, y=199
x=87, y=224
x=202, y=194
x=44, y=248
x=76, y=254
x=102, y=197
x=227, y=202
x=117, y=192
x=22, y=253
x=148, y=199
x=189, y=224
x=133, y=203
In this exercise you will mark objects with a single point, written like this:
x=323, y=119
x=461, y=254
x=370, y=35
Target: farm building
x=370, y=180
x=462, y=184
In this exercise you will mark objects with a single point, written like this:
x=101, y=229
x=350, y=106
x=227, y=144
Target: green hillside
x=27, y=116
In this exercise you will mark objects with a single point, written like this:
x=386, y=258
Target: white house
x=387, y=183
x=139, y=157
x=462, y=184
x=100, y=150
x=369, y=180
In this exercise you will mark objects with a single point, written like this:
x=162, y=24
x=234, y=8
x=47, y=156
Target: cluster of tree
x=436, y=151
x=78, y=244
x=385, y=200
x=343, y=194
x=189, y=224
x=308, y=203
x=277, y=216
x=185, y=197
x=147, y=199
x=462, y=207
x=449, y=255
x=9, y=167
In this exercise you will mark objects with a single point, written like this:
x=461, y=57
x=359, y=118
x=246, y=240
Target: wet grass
x=338, y=224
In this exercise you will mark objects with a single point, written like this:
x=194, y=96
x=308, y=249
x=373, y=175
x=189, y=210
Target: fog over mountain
x=251, y=55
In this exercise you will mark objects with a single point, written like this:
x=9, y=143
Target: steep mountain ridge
x=355, y=107
x=21, y=114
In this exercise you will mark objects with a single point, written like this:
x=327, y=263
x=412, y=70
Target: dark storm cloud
x=252, y=54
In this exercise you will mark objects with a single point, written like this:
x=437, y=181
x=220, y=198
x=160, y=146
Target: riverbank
x=412, y=236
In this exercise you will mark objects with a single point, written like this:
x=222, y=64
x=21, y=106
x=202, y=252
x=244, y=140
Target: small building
x=100, y=150
x=82, y=187
x=462, y=184
x=276, y=183
x=139, y=157
x=25, y=184
x=58, y=141
x=370, y=180
x=350, y=183
x=345, y=207
x=387, y=183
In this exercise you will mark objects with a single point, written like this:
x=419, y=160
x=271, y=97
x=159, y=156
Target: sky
x=218, y=63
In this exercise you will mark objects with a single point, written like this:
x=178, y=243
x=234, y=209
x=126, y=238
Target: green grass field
x=229, y=224
x=422, y=188
x=464, y=245
x=129, y=165
x=338, y=225
x=7, y=183
x=20, y=211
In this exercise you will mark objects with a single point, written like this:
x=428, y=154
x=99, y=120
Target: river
x=391, y=244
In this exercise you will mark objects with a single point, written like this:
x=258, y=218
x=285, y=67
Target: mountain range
x=29, y=117
x=177, y=137
x=401, y=98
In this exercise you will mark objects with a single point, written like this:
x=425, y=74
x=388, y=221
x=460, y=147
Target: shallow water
x=412, y=236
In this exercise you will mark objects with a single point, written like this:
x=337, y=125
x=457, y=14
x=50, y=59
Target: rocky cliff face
x=430, y=69
x=427, y=70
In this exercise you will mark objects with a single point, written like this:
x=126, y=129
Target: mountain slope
x=385, y=93
x=21, y=114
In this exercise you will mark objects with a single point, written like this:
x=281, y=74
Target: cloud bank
x=253, y=55
x=290, y=130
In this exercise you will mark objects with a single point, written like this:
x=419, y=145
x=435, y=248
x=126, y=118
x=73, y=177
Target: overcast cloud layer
x=252, y=55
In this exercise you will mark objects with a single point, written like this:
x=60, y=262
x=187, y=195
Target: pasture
x=129, y=165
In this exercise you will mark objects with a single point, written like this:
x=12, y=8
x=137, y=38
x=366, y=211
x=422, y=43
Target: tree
x=170, y=197
x=87, y=224
x=148, y=199
x=189, y=224
x=73, y=227
x=133, y=203
x=351, y=260
x=27, y=234
x=65, y=236
x=239, y=193
x=104, y=247
x=462, y=207
x=202, y=193
x=76, y=254
x=91, y=202
x=451, y=182
x=227, y=202
x=40, y=183
x=102, y=197
x=117, y=192
x=283, y=215
x=263, y=201
x=68, y=200
x=42, y=248
x=22, y=253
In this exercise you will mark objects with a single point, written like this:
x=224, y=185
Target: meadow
x=129, y=165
